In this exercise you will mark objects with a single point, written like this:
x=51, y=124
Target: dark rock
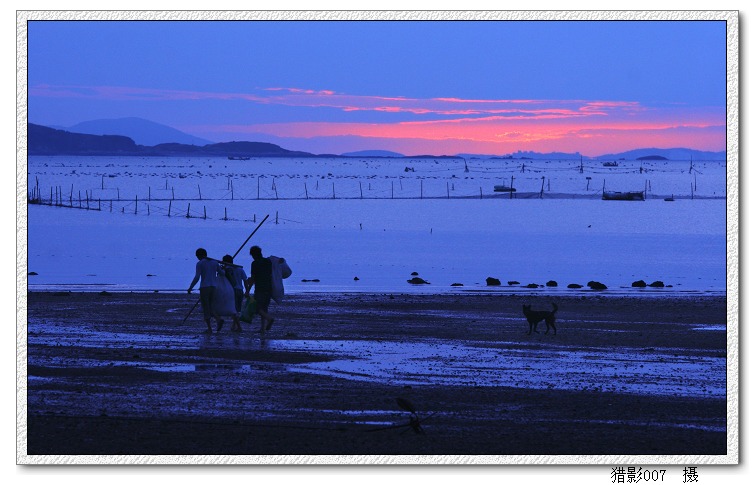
x=657, y=284
x=573, y=286
x=148, y=275
x=104, y=293
x=418, y=281
x=414, y=273
x=356, y=278
x=551, y=283
x=639, y=284
x=532, y=285
x=596, y=285
x=513, y=282
x=490, y=281
x=457, y=284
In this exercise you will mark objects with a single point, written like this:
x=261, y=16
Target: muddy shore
x=123, y=374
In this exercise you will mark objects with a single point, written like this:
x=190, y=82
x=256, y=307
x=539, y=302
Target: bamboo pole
x=234, y=256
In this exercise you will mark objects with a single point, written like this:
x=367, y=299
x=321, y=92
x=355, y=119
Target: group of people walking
x=208, y=272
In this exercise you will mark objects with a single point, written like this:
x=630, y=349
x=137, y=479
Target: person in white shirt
x=206, y=275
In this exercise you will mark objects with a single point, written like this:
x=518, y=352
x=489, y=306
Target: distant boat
x=669, y=199
x=608, y=195
x=610, y=164
x=239, y=158
x=503, y=188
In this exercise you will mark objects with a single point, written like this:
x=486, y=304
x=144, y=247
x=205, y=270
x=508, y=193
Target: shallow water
x=433, y=362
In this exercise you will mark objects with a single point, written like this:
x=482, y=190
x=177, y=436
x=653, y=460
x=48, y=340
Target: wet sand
x=123, y=374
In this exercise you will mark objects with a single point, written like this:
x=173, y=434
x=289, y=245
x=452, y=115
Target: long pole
x=234, y=256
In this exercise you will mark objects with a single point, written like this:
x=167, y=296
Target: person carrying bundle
x=206, y=274
x=237, y=276
x=262, y=280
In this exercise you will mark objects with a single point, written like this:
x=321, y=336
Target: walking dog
x=536, y=316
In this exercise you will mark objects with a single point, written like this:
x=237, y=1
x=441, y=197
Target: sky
x=414, y=87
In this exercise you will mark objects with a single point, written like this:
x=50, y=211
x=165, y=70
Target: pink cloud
x=480, y=125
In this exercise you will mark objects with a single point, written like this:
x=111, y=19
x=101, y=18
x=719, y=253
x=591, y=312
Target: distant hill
x=520, y=155
x=143, y=132
x=667, y=153
x=43, y=140
x=642, y=153
x=49, y=141
x=373, y=153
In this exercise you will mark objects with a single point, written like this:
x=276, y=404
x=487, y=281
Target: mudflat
x=368, y=375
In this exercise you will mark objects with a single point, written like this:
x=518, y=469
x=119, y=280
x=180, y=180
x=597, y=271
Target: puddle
x=710, y=328
x=199, y=367
x=440, y=363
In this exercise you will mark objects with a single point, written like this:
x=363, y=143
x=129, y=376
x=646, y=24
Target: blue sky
x=413, y=86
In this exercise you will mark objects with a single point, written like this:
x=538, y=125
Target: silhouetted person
x=207, y=271
x=237, y=276
x=261, y=278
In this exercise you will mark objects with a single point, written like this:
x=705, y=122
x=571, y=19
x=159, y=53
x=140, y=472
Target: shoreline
x=543, y=292
x=114, y=374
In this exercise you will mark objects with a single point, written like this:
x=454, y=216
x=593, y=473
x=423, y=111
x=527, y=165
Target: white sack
x=280, y=268
x=223, y=299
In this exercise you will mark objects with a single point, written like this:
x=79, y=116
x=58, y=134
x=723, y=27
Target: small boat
x=608, y=195
x=503, y=188
x=669, y=199
x=239, y=158
x=610, y=164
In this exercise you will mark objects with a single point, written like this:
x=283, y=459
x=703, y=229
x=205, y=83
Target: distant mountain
x=373, y=153
x=43, y=140
x=667, y=153
x=520, y=155
x=143, y=132
x=49, y=141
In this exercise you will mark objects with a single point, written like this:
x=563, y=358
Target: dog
x=536, y=316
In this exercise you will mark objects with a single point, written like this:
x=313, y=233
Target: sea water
x=368, y=224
